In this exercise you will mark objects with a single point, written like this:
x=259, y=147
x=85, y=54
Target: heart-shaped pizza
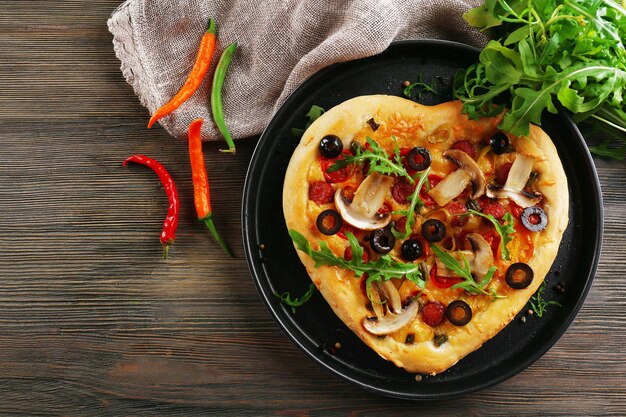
x=425, y=231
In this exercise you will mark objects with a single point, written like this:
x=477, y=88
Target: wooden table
x=94, y=322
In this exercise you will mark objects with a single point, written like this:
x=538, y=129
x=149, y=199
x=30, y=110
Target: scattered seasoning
x=337, y=345
x=216, y=96
x=418, y=377
x=201, y=189
x=560, y=287
x=530, y=312
x=406, y=83
x=261, y=246
x=373, y=124
x=195, y=77
x=523, y=319
x=410, y=338
x=168, y=234
x=440, y=339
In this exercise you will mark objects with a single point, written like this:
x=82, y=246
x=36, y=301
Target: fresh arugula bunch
x=378, y=160
x=313, y=114
x=538, y=304
x=296, y=302
x=506, y=230
x=416, y=204
x=382, y=269
x=464, y=271
x=544, y=51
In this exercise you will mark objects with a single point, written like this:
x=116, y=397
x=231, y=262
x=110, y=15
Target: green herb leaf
x=296, y=302
x=566, y=51
x=415, y=204
x=506, y=230
x=463, y=271
x=537, y=302
x=421, y=88
x=312, y=115
x=382, y=269
x=604, y=150
x=378, y=160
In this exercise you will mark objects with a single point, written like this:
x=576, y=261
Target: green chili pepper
x=216, y=96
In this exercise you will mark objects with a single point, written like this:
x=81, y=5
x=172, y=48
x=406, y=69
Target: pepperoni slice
x=455, y=208
x=321, y=192
x=502, y=173
x=433, y=180
x=401, y=191
x=432, y=313
x=465, y=146
x=496, y=209
x=340, y=175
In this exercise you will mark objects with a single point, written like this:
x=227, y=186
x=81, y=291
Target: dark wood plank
x=94, y=322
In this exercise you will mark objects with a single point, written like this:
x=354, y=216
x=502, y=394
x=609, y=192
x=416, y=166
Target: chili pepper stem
x=208, y=221
x=166, y=250
x=211, y=28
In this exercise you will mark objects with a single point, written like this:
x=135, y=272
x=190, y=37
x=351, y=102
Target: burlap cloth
x=281, y=43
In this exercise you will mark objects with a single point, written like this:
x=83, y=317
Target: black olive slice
x=411, y=250
x=382, y=241
x=331, y=146
x=433, y=230
x=519, y=275
x=459, y=313
x=373, y=124
x=329, y=222
x=534, y=219
x=418, y=154
x=499, y=143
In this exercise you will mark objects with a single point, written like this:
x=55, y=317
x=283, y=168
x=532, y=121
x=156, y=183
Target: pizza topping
x=433, y=313
x=362, y=211
x=534, y=219
x=516, y=181
x=373, y=124
x=500, y=143
x=506, y=230
x=382, y=241
x=483, y=255
x=459, y=313
x=495, y=209
x=519, y=275
x=333, y=172
x=329, y=222
x=330, y=146
x=467, y=164
x=347, y=255
x=402, y=231
x=440, y=339
x=411, y=250
x=401, y=191
x=457, y=211
x=502, y=173
x=419, y=158
x=433, y=230
x=391, y=322
x=321, y=192
x=390, y=295
x=465, y=146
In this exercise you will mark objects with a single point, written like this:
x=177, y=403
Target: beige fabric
x=281, y=44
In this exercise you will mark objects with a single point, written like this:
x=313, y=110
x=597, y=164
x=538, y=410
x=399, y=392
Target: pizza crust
x=345, y=121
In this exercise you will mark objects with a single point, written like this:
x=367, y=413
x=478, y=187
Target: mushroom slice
x=467, y=164
x=392, y=295
x=482, y=255
x=391, y=322
x=361, y=212
x=450, y=187
x=515, y=183
x=455, y=183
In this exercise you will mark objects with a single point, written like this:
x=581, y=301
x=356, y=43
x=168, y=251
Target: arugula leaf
x=378, y=160
x=313, y=114
x=537, y=302
x=464, y=271
x=506, y=230
x=382, y=269
x=416, y=203
x=296, y=302
x=604, y=150
x=422, y=88
x=544, y=53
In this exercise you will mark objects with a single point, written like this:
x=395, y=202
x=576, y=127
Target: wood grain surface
x=94, y=322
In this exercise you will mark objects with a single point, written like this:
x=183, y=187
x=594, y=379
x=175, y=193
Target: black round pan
x=275, y=266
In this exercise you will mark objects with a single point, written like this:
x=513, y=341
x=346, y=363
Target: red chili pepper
x=440, y=281
x=168, y=234
x=199, y=70
x=201, y=190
